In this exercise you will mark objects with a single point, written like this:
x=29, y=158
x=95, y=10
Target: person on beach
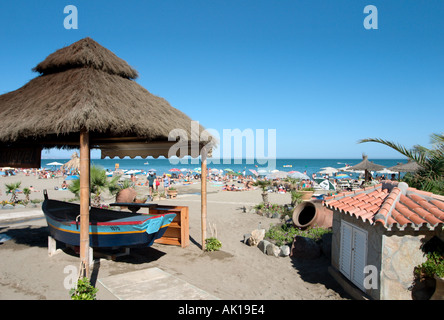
x=150, y=178
x=166, y=183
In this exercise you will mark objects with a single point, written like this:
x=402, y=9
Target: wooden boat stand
x=109, y=254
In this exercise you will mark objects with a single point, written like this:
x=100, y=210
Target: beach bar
x=86, y=97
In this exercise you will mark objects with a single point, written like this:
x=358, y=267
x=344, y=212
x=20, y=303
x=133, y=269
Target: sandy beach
x=236, y=272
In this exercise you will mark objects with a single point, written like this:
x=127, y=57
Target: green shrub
x=212, y=244
x=433, y=265
x=83, y=291
x=285, y=233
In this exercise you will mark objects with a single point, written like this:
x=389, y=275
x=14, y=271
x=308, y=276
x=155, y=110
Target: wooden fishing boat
x=107, y=228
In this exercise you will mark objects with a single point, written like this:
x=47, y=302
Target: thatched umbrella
x=410, y=166
x=86, y=97
x=367, y=166
x=73, y=164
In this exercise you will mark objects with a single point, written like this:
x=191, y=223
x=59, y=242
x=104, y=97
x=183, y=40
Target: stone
x=305, y=248
x=262, y=245
x=272, y=250
x=275, y=215
x=284, y=250
x=246, y=237
x=256, y=236
x=8, y=206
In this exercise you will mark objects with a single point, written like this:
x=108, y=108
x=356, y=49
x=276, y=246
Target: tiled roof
x=394, y=205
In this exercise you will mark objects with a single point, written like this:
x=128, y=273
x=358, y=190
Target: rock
x=262, y=245
x=256, y=237
x=8, y=206
x=246, y=237
x=284, y=251
x=275, y=215
x=305, y=248
x=19, y=206
x=326, y=244
x=272, y=250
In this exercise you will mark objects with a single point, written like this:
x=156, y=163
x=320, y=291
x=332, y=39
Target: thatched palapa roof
x=86, y=86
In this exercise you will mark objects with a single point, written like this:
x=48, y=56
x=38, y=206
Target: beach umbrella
x=228, y=169
x=277, y=175
x=54, y=164
x=174, y=170
x=152, y=170
x=85, y=97
x=367, y=166
x=342, y=176
x=386, y=171
x=184, y=170
x=328, y=170
x=73, y=164
x=324, y=184
x=298, y=175
x=254, y=172
x=410, y=166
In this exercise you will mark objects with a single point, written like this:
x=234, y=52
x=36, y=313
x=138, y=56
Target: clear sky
x=307, y=68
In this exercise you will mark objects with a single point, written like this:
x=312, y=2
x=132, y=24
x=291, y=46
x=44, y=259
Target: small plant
x=296, y=198
x=285, y=233
x=212, y=244
x=83, y=291
x=26, y=192
x=433, y=265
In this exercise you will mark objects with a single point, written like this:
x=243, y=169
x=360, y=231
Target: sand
x=236, y=272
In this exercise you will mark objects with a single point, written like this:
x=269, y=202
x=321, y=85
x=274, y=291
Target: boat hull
x=128, y=231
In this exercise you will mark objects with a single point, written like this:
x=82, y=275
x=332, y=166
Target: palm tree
x=12, y=189
x=26, y=192
x=263, y=184
x=98, y=184
x=430, y=177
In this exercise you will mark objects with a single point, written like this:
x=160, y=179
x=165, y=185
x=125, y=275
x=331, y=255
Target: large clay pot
x=310, y=213
x=439, y=290
x=306, y=195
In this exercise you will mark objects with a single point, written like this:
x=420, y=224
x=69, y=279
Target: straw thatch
x=73, y=164
x=365, y=164
x=85, y=86
x=410, y=166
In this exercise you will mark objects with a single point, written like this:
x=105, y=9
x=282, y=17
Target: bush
x=84, y=290
x=285, y=233
x=212, y=244
x=433, y=265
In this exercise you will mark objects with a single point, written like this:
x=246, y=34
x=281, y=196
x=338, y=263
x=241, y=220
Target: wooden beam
x=84, y=203
x=203, y=192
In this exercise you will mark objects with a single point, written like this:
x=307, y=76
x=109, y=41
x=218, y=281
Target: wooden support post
x=84, y=203
x=203, y=193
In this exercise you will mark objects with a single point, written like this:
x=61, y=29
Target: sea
x=164, y=165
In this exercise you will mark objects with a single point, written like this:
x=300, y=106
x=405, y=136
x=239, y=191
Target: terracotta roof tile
x=393, y=205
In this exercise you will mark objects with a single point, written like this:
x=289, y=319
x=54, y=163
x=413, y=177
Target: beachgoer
x=157, y=183
x=150, y=179
x=166, y=182
x=64, y=185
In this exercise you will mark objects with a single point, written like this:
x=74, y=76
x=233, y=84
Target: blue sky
x=307, y=68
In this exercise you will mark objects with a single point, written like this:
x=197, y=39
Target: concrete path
x=150, y=284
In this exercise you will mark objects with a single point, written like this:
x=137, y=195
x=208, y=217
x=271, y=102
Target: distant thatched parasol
x=367, y=166
x=73, y=164
x=410, y=166
x=86, y=98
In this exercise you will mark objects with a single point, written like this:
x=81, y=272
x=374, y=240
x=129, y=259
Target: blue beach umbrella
x=72, y=178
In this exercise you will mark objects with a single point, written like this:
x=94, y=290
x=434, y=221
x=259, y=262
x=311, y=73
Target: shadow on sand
x=316, y=271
